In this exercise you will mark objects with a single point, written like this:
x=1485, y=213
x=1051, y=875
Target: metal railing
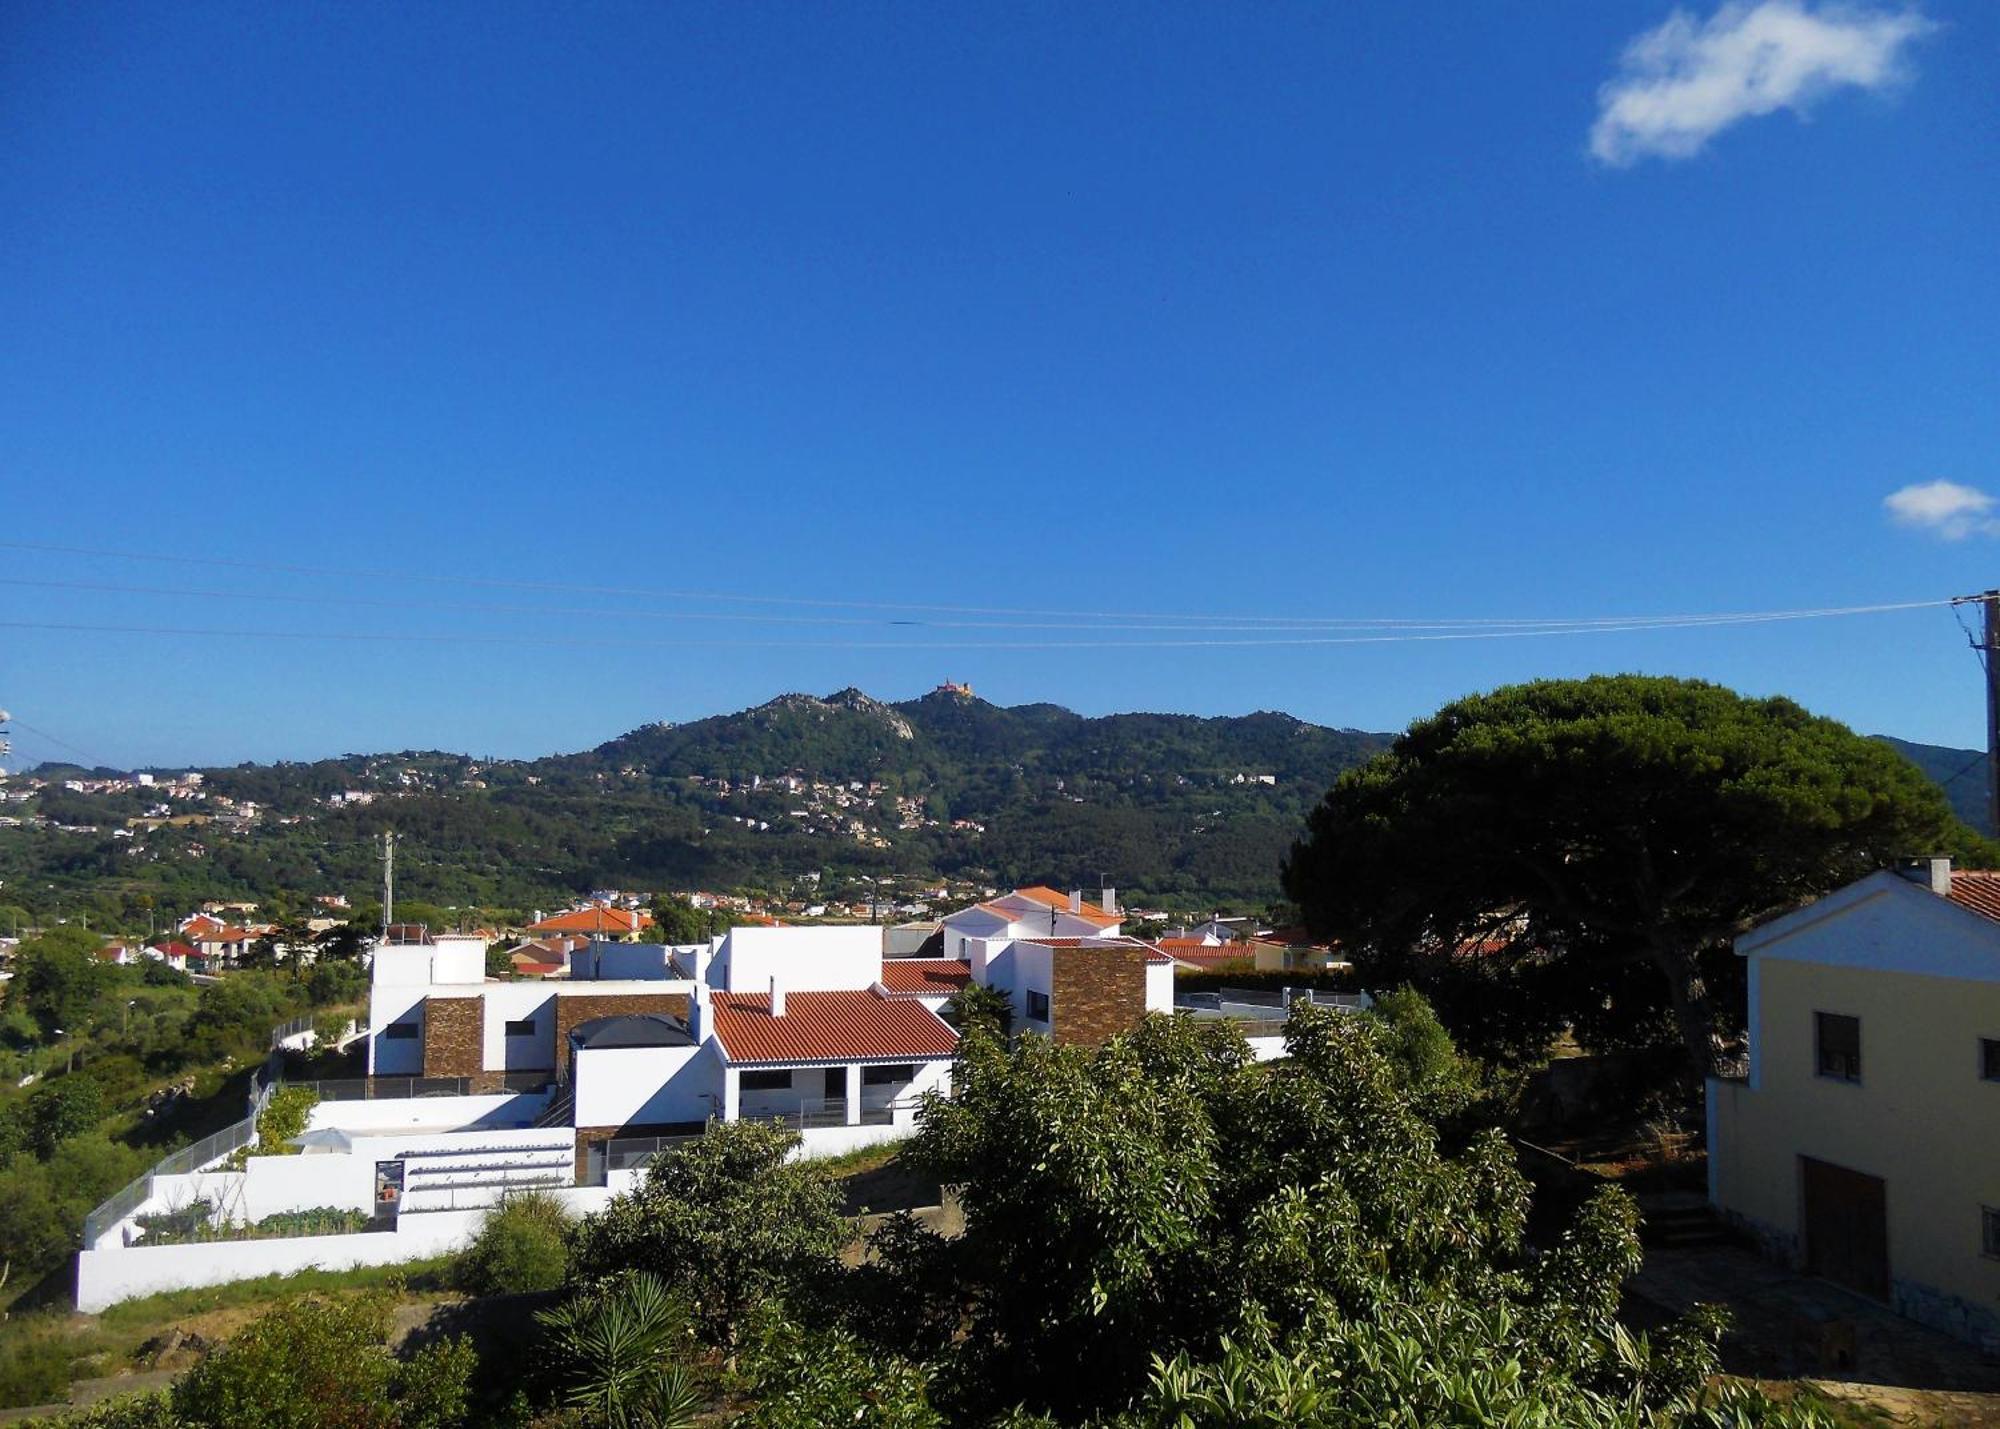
x=376, y=1089
x=628, y=1153
x=809, y=1116
x=371, y=1089
x=209, y=1149
x=301, y=1023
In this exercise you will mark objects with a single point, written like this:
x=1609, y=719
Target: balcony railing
x=811, y=1115
x=375, y=1089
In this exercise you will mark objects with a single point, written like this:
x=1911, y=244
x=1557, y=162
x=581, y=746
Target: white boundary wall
x=105, y=1277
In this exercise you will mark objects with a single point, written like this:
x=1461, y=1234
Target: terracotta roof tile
x=594, y=920
x=1049, y=898
x=1154, y=954
x=934, y=977
x=1979, y=892
x=828, y=1027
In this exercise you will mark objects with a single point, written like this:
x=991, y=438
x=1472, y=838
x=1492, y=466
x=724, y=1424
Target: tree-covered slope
x=1193, y=812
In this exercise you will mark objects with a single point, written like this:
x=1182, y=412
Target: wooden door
x=1847, y=1227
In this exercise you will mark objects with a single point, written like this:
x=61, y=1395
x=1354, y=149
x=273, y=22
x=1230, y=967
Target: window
x=1989, y=1231
x=1989, y=1058
x=766, y=1082
x=524, y=1028
x=1839, y=1041
x=887, y=1076
x=1038, y=1007
x=401, y=1031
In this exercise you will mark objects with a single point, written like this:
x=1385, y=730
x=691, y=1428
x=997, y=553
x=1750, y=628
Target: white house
x=1861, y=1142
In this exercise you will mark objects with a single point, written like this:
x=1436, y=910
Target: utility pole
x=1989, y=657
x=388, y=881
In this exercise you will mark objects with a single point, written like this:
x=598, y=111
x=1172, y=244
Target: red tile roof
x=1154, y=954
x=537, y=969
x=828, y=1027
x=1049, y=898
x=933, y=977
x=1979, y=892
x=595, y=920
x=1209, y=957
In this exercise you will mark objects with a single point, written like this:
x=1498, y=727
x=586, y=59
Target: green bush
x=522, y=1245
x=284, y=1116
x=35, y=1359
x=316, y=1362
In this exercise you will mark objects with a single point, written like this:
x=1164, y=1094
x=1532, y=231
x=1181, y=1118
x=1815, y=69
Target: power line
x=1203, y=621
x=1384, y=638
x=1266, y=624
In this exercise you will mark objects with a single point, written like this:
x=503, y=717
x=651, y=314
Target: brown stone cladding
x=573, y=1009
x=455, y=1037
x=1098, y=992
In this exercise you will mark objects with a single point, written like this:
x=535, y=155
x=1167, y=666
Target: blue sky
x=1425, y=311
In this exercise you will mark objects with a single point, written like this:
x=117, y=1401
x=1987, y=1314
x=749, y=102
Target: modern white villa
x=477, y=1087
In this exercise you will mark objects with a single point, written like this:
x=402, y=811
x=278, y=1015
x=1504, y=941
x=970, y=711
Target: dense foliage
x=144, y=1060
x=724, y=1222
x=1582, y=852
x=1160, y=1234
x=522, y=1246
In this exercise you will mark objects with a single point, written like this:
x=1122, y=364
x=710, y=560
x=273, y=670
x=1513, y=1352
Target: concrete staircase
x=1679, y=1220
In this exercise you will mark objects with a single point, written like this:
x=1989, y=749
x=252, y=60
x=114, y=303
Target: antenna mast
x=388, y=881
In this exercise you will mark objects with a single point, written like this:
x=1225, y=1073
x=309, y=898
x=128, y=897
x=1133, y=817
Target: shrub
x=316, y=1362
x=35, y=1361
x=58, y=1110
x=284, y=1116
x=174, y=1227
x=725, y=1220
x=614, y=1353
x=805, y=1379
x=522, y=1246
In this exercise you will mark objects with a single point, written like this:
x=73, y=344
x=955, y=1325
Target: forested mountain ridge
x=1174, y=807
x=1180, y=809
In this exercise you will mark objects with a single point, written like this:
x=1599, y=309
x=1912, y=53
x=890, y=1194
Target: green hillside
x=1170, y=808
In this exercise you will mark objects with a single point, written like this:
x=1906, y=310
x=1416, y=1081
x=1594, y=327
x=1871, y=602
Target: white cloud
x=1680, y=85
x=1944, y=508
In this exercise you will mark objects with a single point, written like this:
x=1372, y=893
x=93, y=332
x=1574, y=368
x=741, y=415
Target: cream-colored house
x=1862, y=1142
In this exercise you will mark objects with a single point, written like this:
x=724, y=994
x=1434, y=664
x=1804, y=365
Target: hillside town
x=1047, y=716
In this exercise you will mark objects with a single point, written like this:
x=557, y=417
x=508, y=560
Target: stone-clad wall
x=573, y=1009
x=1098, y=993
x=455, y=1037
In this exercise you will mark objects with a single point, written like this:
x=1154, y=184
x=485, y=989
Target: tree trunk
x=1676, y=965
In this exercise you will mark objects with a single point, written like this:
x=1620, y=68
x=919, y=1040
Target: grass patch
x=854, y=1163
x=153, y=1311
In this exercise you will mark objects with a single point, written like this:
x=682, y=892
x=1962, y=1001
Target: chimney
x=698, y=1012
x=1076, y=900
x=1110, y=900
x=1941, y=877
x=777, y=997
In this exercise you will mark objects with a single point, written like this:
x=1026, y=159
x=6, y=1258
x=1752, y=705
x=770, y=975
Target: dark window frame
x=765, y=1080
x=1989, y=1059
x=402, y=1031
x=1989, y=1231
x=521, y=1027
x=1033, y=997
x=889, y=1074
x=1837, y=1063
